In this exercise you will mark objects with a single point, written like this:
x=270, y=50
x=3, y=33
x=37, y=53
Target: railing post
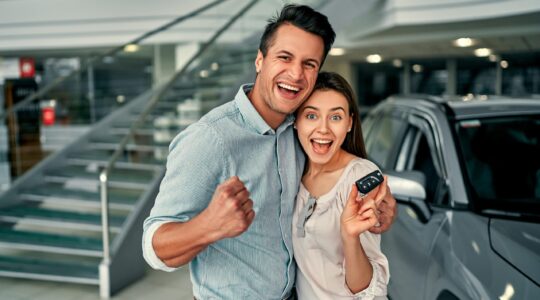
x=104, y=267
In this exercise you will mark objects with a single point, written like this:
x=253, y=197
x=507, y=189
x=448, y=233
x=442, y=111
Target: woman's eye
x=311, y=116
x=336, y=118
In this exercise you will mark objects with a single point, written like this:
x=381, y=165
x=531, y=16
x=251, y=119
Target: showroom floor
x=155, y=285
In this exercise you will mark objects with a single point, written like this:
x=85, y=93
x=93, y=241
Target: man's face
x=287, y=74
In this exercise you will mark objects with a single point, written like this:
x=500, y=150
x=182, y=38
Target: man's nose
x=296, y=71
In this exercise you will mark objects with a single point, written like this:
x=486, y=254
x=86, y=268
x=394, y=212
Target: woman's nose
x=322, y=126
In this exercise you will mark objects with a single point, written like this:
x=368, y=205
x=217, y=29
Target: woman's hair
x=354, y=140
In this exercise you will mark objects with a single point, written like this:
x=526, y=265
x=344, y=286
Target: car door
x=409, y=243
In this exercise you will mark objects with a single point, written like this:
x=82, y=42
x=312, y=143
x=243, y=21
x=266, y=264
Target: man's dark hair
x=303, y=17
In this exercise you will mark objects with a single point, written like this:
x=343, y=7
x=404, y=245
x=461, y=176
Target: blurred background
x=92, y=92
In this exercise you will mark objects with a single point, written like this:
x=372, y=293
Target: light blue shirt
x=233, y=139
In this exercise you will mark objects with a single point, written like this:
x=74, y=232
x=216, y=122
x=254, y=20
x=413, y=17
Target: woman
x=337, y=257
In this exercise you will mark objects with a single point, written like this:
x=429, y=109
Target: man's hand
x=386, y=204
x=230, y=211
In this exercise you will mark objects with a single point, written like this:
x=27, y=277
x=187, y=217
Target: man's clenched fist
x=230, y=211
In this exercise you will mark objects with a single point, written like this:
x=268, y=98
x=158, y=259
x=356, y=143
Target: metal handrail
x=104, y=175
x=93, y=59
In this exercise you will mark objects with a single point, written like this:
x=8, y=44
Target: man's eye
x=285, y=58
x=311, y=116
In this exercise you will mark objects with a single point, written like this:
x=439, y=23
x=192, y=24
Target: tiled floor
x=155, y=285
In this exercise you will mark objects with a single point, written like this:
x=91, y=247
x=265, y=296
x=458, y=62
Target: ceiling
x=394, y=29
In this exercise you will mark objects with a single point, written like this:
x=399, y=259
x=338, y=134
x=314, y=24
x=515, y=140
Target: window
x=419, y=153
x=501, y=157
x=382, y=138
x=423, y=161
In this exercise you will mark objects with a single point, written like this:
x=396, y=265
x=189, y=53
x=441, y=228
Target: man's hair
x=303, y=17
x=354, y=140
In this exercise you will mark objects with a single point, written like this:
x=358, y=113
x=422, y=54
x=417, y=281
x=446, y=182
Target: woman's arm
x=358, y=216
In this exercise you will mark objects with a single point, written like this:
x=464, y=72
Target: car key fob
x=367, y=183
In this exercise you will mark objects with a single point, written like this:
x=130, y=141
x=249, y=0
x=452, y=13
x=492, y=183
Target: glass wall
x=516, y=75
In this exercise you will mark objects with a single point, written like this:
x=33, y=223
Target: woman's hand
x=359, y=214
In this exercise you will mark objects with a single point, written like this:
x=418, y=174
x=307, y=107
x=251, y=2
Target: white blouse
x=318, y=249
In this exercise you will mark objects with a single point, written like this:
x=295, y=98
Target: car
x=465, y=172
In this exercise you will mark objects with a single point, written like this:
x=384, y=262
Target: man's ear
x=259, y=61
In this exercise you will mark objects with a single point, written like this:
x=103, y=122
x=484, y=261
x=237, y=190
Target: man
x=239, y=248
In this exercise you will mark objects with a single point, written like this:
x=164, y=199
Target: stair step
x=82, y=175
x=114, y=138
x=32, y=215
x=130, y=147
x=33, y=268
x=147, y=126
x=128, y=160
x=85, y=197
x=47, y=242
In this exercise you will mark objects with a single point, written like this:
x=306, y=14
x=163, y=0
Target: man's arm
x=387, y=208
x=229, y=214
x=196, y=204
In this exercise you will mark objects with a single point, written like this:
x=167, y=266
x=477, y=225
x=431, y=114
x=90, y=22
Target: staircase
x=50, y=219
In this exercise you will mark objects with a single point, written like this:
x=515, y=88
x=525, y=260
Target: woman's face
x=322, y=123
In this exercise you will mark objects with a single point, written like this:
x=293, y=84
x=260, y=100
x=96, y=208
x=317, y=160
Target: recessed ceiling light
x=504, y=64
x=397, y=63
x=204, y=73
x=482, y=52
x=373, y=58
x=131, y=48
x=492, y=58
x=336, y=51
x=463, y=42
x=417, y=68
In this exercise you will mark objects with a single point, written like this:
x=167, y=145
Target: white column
x=451, y=84
x=406, y=83
x=345, y=69
x=164, y=63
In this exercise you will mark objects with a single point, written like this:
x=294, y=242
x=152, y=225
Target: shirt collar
x=251, y=115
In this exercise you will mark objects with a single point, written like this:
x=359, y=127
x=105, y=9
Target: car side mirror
x=409, y=188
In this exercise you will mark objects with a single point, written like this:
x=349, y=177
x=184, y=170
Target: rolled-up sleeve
x=195, y=166
x=148, y=250
x=381, y=273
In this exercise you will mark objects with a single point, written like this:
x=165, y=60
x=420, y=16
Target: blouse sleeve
x=370, y=242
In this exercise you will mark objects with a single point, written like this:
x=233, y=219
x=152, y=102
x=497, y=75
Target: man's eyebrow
x=285, y=52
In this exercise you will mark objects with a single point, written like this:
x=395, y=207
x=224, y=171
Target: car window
x=422, y=160
x=367, y=123
x=502, y=159
x=382, y=139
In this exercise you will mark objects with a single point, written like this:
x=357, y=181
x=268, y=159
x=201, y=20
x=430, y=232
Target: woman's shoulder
x=360, y=166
